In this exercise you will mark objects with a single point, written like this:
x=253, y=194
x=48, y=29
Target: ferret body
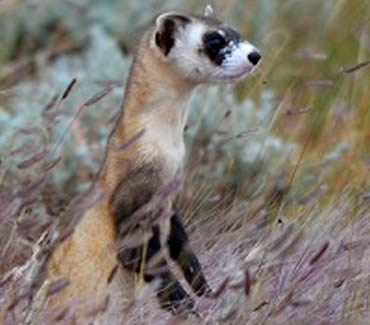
x=179, y=52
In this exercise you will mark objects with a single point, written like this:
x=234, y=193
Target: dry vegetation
x=277, y=189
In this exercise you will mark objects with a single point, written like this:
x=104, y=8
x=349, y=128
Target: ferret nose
x=254, y=57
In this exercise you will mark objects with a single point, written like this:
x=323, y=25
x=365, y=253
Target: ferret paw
x=176, y=300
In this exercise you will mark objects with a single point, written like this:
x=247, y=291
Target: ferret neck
x=156, y=93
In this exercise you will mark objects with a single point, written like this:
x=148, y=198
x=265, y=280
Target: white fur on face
x=185, y=52
x=190, y=37
x=195, y=65
x=236, y=65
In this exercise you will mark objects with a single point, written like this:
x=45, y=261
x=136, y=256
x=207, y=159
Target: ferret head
x=203, y=49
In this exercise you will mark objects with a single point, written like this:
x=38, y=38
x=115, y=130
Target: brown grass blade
x=35, y=159
x=132, y=140
x=99, y=96
x=57, y=286
x=356, y=67
x=69, y=89
x=320, y=253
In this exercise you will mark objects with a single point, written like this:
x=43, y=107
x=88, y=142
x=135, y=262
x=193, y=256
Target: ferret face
x=203, y=49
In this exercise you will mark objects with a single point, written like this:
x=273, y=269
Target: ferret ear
x=166, y=26
x=208, y=11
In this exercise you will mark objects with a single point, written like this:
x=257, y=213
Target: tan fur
x=91, y=248
x=159, y=106
x=87, y=258
x=156, y=102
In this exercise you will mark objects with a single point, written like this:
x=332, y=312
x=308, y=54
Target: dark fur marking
x=165, y=38
x=177, y=238
x=170, y=293
x=136, y=189
x=231, y=34
x=131, y=258
x=216, y=46
x=181, y=252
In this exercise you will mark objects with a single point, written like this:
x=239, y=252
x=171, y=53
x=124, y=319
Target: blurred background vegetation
x=304, y=102
x=295, y=135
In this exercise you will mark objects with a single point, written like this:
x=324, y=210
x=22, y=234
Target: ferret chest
x=168, y=147
x=173, y=155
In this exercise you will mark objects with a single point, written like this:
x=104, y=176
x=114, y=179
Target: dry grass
x=288, y=248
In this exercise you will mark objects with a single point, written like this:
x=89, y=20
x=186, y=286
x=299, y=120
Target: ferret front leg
x=170, y=293
x=181, y=252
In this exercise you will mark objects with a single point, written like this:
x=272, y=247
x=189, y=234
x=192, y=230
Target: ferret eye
x=214, y=42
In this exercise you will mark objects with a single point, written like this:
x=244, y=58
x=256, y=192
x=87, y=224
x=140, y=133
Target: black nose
x=254, y=57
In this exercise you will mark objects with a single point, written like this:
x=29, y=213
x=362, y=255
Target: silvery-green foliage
x=243, y=137
x=37, y=17
x=238, y=133
x=90, y=68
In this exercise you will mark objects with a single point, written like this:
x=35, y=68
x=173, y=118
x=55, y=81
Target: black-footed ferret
x=177, y=53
